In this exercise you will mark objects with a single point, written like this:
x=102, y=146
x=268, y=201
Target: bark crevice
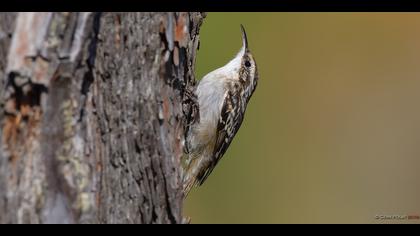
x=93, y=115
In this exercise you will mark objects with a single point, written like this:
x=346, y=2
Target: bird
x=222, y=96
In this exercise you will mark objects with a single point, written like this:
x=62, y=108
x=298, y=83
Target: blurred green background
x=332, y=133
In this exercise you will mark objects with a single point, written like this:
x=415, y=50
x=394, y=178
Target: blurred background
x=332, y=133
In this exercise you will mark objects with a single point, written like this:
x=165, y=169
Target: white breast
x=211, y=92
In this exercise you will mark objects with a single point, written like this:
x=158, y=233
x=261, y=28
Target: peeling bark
x=93, y=116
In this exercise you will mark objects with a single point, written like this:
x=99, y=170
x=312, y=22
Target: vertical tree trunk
x=94, y=108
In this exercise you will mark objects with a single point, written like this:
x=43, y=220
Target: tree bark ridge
x=95, y=107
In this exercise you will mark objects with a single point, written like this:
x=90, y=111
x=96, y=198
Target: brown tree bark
x=93, y=112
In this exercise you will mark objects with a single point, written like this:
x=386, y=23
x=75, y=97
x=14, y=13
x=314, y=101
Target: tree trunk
x=94, y=108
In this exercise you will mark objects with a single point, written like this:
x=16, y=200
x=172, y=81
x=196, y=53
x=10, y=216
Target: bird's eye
x=247, y=63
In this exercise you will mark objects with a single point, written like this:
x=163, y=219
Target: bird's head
x=244, y=67
x=248, y=73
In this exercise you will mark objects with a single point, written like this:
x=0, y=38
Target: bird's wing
x=230, y=120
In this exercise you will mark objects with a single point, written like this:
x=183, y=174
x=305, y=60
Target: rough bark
x=94, y=111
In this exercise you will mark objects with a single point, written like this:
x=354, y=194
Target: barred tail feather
x=189, y=177
x=195, y=166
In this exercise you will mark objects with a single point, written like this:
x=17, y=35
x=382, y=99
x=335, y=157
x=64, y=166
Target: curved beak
x=244, y=39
